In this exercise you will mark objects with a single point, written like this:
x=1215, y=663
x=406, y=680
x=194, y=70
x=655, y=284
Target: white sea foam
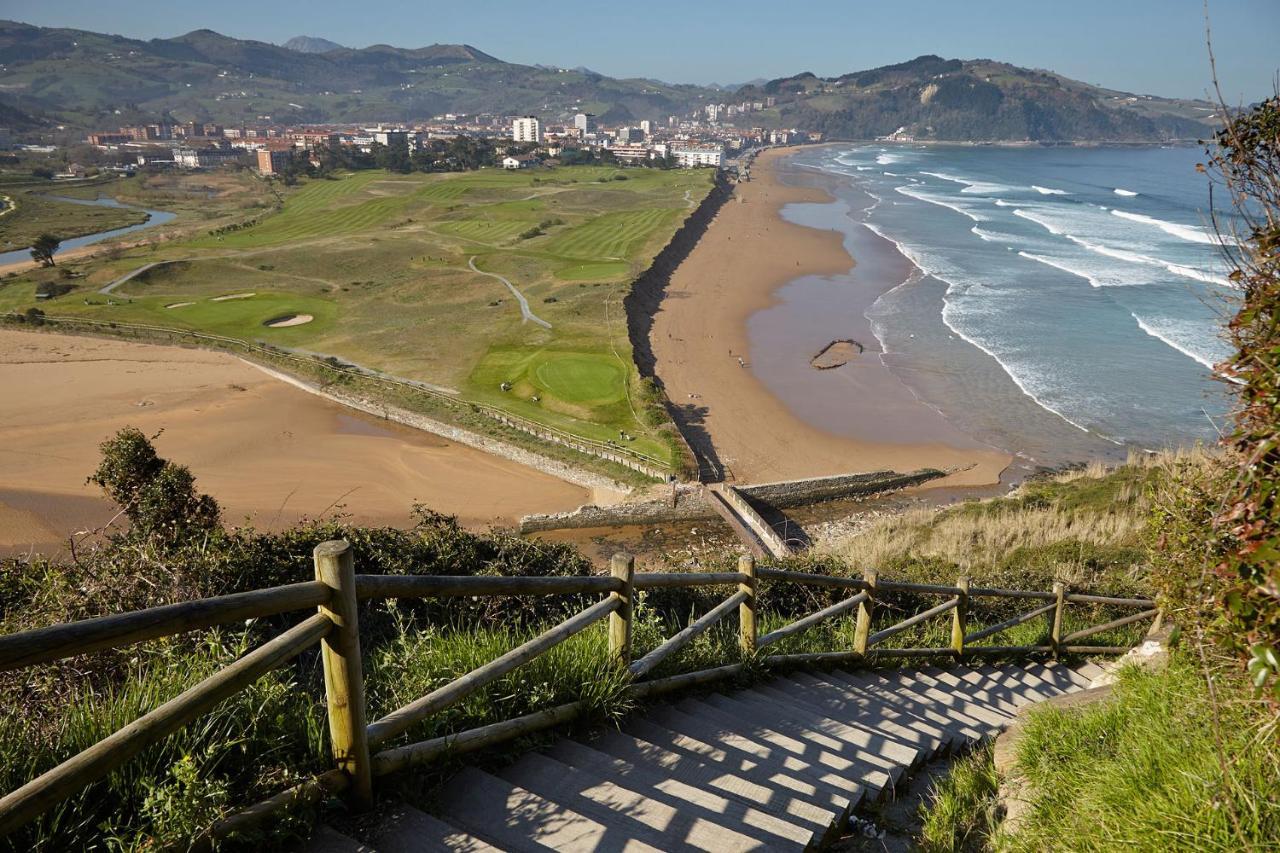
x=887, y=157
x=1049, y=190
x=863, y=168
x=1128, y=193
x=947, y=277
x=1051, y=227
x=970, y=184
x=920, y=195
x=1175, y=334
x=1064, y=267
x=985, y=236
x=1190, y=233
x=1002, y=203
x=892, y=174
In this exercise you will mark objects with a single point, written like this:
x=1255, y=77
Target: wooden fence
x=360, y=747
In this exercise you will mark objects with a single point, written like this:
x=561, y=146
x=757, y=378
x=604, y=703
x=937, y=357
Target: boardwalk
x=779, y=766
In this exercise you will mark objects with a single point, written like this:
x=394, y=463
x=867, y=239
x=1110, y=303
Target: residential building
x=631, y=153
x=647, y=127
x=585, y=122
x=109, y=138
x=693, y=155
x=628, y=135
x=206, y=158
x=526, y=129
x=273, y=161
x=522, y=161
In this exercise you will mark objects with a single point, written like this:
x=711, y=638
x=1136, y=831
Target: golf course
x=502, y=286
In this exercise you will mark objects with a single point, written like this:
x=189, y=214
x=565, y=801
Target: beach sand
x=701, y=332
x=269, y=453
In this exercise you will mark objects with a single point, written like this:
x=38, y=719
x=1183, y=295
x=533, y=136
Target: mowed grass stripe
x=613, y=235
x=483, y=230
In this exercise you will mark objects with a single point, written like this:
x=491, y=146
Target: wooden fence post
x=624, y=568
x=343, y=675
x=1055, y=633
x=747, y=609
x=960, y=618
x=866, y=610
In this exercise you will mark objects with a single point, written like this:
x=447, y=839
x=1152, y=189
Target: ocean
x=1058, y=303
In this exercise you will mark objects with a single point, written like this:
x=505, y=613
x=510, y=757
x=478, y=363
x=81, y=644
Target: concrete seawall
x=691, y=503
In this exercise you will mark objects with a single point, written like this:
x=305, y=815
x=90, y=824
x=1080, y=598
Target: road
x=524, y=303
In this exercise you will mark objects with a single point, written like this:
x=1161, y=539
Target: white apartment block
x=585, y=122
x=692, y=156
x=526, y=129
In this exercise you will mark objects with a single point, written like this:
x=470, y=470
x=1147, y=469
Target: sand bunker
x=232, y=296
x=836, y=354
x=288, y=320
x=179, y=304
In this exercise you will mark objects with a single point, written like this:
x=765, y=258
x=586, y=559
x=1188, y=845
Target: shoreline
x=270, y=452
x=750, y=254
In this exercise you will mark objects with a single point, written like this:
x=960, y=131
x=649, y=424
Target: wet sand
x=268, y=452
x=744, y=377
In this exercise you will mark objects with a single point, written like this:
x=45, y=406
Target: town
x=709, y=138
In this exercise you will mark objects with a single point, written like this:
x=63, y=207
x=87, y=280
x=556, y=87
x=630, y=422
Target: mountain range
x=82, y=80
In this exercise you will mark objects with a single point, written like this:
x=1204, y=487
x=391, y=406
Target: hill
x=311, y=44
x=83, y=79
x=86, y=79
x=975, y=100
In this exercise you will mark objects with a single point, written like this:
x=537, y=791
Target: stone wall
x=691, y=503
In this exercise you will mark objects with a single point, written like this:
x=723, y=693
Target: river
x=155, y=217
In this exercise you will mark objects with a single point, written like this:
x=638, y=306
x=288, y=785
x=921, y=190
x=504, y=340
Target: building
x=692, y=156
x=526, y=129
x=585, y=122
x=647, y=127
x=631, y=153
x=388, y=136
x=522, y=161
x=109, y=138
x=628, y=135
x=273, y=161
x=206, y=158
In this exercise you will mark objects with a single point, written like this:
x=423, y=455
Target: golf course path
x=524, y=303
x=122, y=279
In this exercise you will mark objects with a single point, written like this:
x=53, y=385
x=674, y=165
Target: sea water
x=1059, y=303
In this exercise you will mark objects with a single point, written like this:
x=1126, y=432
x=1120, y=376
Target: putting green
x=580, y=378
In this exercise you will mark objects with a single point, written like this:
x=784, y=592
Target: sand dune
x=270, y=453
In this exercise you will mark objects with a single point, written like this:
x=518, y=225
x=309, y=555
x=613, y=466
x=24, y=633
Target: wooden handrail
x=97, y=761
x=403, y=718
x=812, y=619
x=1008, y=623
x=42, y=645
x=641, y=667
x=338, y=588
x=453, y=586
x=879, y=636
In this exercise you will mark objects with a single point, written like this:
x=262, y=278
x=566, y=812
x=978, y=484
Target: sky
x=1152, y=47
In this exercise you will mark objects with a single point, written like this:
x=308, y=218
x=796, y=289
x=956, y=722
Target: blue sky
x=1148, y=46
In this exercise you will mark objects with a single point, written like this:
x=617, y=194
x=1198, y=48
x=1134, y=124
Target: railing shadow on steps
x=337, y=590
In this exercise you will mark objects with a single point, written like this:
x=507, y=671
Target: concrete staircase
x=779, y=766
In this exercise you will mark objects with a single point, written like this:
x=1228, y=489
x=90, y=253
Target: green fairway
x=381, y=262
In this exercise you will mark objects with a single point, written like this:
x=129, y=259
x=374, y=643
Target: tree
x=157, y=496
x=44, y=247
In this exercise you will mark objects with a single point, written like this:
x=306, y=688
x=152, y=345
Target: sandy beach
x=704, y=354
x=269, y=453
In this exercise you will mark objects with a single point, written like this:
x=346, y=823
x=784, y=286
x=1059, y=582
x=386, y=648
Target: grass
x=382, y=261
x=1163, y=765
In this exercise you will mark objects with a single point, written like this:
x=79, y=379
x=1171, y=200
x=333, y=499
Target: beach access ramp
x=756, y=533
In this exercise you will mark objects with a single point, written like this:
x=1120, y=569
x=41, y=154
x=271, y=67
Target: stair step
x=878, y=772
x=770, y=789
x=326, y=839
x=803, y=711
x=828, y=788
x=722, y=804
x=830, y=765
x=408, y=830
x=512, y=818
x=898, y=691
x=893, y=722
x=623, y=808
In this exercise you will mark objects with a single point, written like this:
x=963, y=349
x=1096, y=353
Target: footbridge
x=770, y=749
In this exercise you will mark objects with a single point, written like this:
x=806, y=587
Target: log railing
x=337, y=589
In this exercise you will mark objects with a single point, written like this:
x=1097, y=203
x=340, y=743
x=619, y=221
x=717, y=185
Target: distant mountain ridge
x=311, y=44
x=955, y=100
x=88, y=80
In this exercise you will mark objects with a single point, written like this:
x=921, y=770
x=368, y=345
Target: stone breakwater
x=689, y=502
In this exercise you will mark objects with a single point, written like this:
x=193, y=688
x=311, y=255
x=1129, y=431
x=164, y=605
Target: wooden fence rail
x=335, y=594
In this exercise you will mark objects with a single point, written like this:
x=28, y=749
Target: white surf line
x=525, y=313
x=122, y=279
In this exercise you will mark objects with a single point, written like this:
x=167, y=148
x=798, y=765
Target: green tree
x=44, y=248
x=158, y=497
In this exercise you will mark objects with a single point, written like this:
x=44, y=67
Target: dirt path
x=525, y=313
